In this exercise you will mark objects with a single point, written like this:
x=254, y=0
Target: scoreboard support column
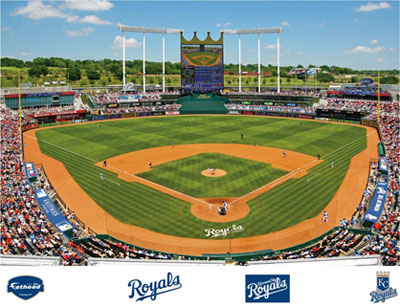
x=278, y=62
x=259, y=64
x=240, y=64
x=144, y=62
x=163, y=63
x=123, y=59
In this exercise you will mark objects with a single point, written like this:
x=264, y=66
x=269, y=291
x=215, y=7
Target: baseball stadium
x=200, y=172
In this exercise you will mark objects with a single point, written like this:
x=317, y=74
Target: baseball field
x=275, y=195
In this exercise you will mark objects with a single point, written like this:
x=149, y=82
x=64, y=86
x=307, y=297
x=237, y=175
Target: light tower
x=124, y=29
x=258, y=32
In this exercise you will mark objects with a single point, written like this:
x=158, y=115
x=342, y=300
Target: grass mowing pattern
x=283, y=206
x=184, y=175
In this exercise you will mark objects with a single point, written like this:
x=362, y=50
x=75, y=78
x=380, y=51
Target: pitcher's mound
x=216, y=172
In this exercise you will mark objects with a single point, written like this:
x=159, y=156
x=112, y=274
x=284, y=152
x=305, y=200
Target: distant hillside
x=105, y=72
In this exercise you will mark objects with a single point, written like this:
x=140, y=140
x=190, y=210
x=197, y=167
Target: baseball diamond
x=166, y=209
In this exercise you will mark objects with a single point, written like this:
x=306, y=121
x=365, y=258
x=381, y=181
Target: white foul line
x=124, y=172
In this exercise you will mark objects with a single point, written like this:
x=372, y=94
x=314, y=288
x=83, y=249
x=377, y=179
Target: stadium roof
x=149, y=30
x=253, y=31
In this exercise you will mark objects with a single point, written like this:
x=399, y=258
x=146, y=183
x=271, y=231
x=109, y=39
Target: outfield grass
x=184, y=175
x=80, y=147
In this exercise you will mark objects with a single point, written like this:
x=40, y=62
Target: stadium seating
x=25, y=230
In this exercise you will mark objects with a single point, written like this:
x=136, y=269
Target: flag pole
x=20, y=113
x=379, y=96
x=19, y=100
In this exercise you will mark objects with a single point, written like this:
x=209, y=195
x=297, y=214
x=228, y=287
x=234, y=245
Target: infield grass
x=80, y=147
x=184, y=175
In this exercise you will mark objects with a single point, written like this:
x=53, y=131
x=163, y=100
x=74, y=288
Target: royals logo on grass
x=267, y=288
x=383, y=290
x=142, y=290
x=213, y=233
x=25, y=287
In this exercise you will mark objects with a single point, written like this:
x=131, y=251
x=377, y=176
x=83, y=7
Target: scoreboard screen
x=202, y=68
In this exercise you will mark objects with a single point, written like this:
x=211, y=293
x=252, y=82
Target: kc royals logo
x=267, y=288
x=141, y=290
x=383, y=290
x=25, y=287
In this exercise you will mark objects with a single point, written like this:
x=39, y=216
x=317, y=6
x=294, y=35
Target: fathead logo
x=142, y=290
x=25, y=287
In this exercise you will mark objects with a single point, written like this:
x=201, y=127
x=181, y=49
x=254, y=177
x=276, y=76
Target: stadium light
x=144, y=30
x=238, y=32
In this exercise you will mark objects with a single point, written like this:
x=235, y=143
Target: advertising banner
x=377, y=203
x=30, y=171
x=171, y=112
x=383, y=165
x=29, y=126
x=53, y=214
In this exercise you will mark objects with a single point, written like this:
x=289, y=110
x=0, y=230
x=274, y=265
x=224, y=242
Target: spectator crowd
x=25, y=229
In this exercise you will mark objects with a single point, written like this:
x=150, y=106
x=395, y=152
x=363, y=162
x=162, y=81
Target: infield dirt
x=341, y=206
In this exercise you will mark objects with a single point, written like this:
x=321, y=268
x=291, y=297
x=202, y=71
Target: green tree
x=389, y=80
x=93, y=74
x=38, y=70
x=9, y=62
x=326, y=78
x=74, y=73
x=118, y=73
x=355, y=79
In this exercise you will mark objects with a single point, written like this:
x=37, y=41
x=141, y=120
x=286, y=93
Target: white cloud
x=374, y=42
x=364, y=49
x=79, y=33
x=285, y=23
x=129, y=43
x=73, y=18
x=271, y=47
x=391, y=49
x=36, y=10
x=89, y=5
x=24, y=53
x=93, y=19
x=380, y=60
x=223, y=25
x=356, y=20
x=6, y=29
x=373, y=7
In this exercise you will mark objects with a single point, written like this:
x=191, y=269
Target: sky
x=355, y=34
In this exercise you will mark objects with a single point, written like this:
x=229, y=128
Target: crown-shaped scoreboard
x=202, y=64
